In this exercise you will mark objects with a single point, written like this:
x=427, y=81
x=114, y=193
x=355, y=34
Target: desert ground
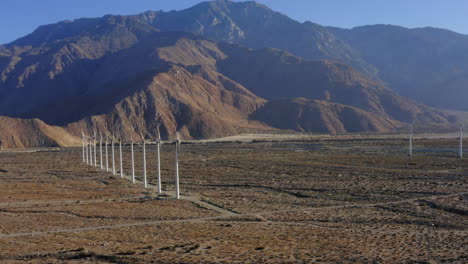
x=274, y=199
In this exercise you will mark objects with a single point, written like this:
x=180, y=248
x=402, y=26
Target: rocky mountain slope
x=256, y=26
x=20, y=133
x=60, y=58
x=114, y=74
x=193, y=105
x=305, y=115
x=417, y=63
x=122, y=92
x=427, y=64
x=274, y=74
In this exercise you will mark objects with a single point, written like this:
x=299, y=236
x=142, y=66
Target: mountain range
x=221, y=68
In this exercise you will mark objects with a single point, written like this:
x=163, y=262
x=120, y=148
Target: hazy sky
x=21, y=17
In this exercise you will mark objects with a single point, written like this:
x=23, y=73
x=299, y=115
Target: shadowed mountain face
x=427, y=64
x=115, y=73
x=274, y=74
x=123, y=89
x=256, y=26
x=417, y=63
x=58, y=60
x=194, y=105
x=303, y=114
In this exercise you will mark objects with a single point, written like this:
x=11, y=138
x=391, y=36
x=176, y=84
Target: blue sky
x=21, y=17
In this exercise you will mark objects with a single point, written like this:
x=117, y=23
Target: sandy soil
x=296, y=200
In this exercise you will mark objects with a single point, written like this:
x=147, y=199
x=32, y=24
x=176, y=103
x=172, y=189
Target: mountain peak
x=227, y=53
x=228, y=7
x=229, y=3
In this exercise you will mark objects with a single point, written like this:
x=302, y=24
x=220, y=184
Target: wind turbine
x=460, y=149
x=83, y=143
x=95, y=152
x=107, y=156
x=113, y=155
x=158, y=151
x=121, y=162
x=90, y=151
x=177, y=150
x=145, y=180
x=411, y=134
x=133, y=163
x=100, y=149
x=86, y=149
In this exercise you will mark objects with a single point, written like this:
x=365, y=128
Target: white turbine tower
x=107, y=156
x=121, y=162
x=460, y=149
x=86, y=149
x=133, y=163
x=177, y=149
x=95, y=152
x=145, y=181
x=158, y=151
x=158, y=157
x=113, y=155
x=83, y=144
x=411, y=134
x=90, y=151
x=100, y=150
